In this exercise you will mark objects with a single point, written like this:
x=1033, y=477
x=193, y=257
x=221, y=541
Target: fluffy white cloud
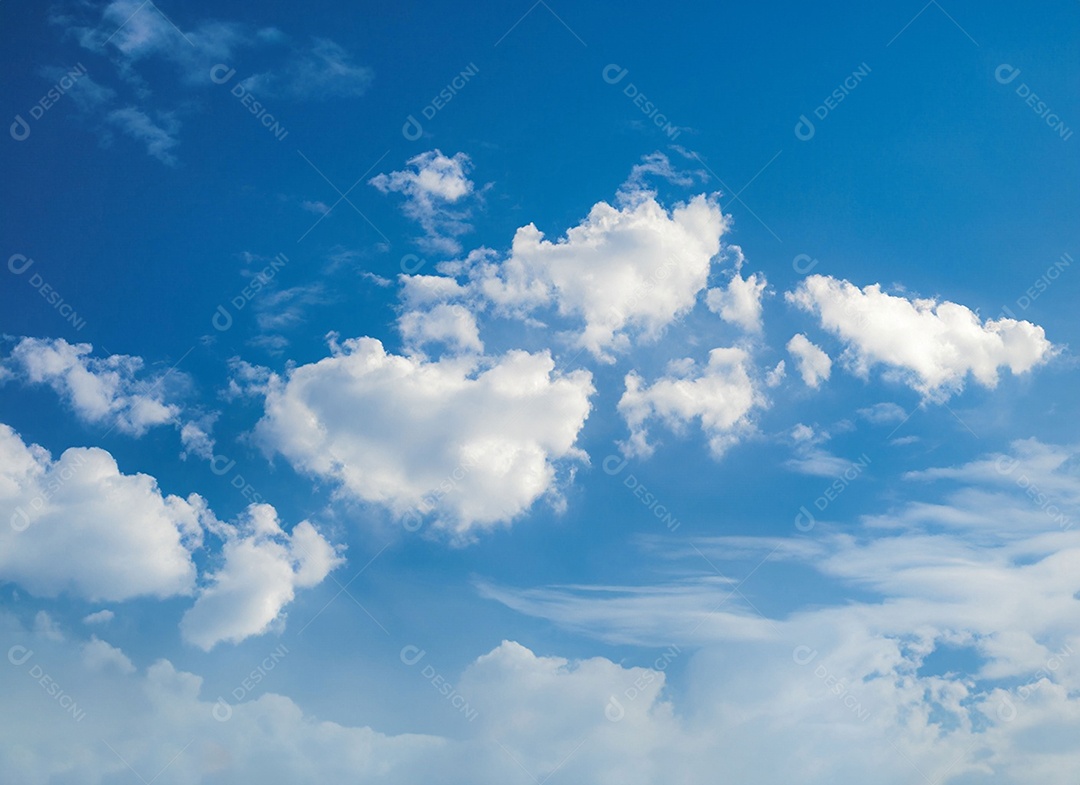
x=721, y=395
x=262, y=568
x=100, y=390
x=450, y=324
x=813, y=364
x=930, y=345
x=472, y=441
x=78, y=525
x=636, y=267
x=432, y=184
x=740, y=301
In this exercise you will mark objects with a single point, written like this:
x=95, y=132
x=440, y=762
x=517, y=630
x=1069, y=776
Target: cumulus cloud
x=472, y=441
x=813, y=364
x=262, y=567
x=452, y=325
x=100, y=390
x=721, y=395
x=928, y=344
x=739, y=302
x=78, y=525
x=435, y=187
x=632, y=268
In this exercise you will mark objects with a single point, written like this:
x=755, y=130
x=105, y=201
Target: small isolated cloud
x=739, y=303
x=97, y=655
x=472, y=441
x=100, y=390
x=262, y=568
x=160, y=137
x=635, y=268
x=883, y=413
x=434, y=187
x=196, y=440
x=930, y=345
x=813, y=364
x=99, y=617
x=324, y=71
x=721, y=395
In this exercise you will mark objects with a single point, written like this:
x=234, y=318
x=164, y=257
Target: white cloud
x=883, y=413
x=323, y=72
x=739, y=302
x=262, y=567
x=638, y=267
x=100, y=390
x=432, y=185
x=721, y=395
x=99, y=655
x=473, y=441
x=78, y=525
x=814, y=365
x=451, y=325
x=932, y=346
x=99, y=617
x=196, y=440
x=160, y=137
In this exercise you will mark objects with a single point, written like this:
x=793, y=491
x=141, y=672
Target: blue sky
x=528, y=394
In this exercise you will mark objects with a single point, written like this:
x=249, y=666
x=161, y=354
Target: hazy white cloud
x=99, y=617
x=928, y=344
x=322, y=72
x=813, y=364
x=104, y=390
x=159, y=136
x=261, y=570
x=435, y=187
x=721, y=395
x=472, y=441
